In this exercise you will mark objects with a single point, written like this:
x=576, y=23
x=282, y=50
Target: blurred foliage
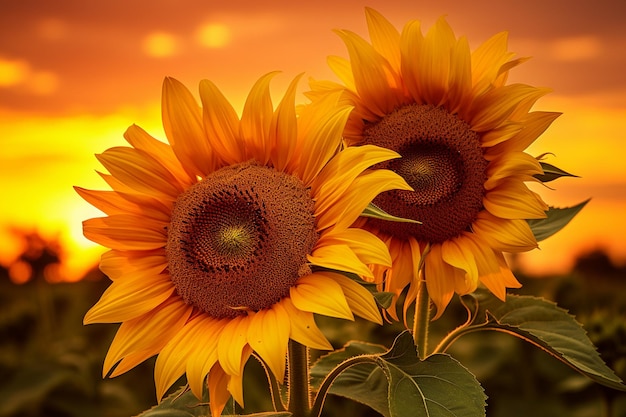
x=51, y=365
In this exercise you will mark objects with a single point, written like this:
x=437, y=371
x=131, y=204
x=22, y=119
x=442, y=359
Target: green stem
x=320, y=397
x=299, y=388
x=275, y=391
x=451, y=337
x=422, y=319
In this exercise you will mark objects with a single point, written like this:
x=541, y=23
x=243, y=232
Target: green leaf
x=182, y=403
x=435, y=387
x=551, y=173
x=398, y=384
x=364, y=383
x=376, y=212
x=383, y=298
x=557, y=219
x=264, y=414
x=551, y=328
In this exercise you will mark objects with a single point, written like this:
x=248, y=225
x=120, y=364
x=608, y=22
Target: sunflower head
x=461, y=131
x=230, y=237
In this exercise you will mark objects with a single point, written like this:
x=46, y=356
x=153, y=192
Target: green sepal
x=551, y=173
x=546, y=326
x=383, y=298
x=376, y=212
x=557, y=218
x=182, y=403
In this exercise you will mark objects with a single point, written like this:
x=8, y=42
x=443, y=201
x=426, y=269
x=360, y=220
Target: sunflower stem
x=422, y=319
x=299, y=387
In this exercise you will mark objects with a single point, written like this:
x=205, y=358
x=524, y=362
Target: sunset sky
x=75, y=74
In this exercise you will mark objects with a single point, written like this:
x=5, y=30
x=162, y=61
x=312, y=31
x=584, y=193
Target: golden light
x=13, y=72
x=213, y=35
x=42, y=159
x=160, y=45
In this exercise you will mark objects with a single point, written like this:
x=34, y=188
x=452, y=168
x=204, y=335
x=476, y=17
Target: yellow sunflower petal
x=512, y=199
x=403, y=260
x=384, y=37
x=412, y=262
x=256, y=119
x=366, y=246
x=506, y=275
x=126, y=299
x=218, y=390
x=342, y=68
x=112, y=202
x=221, y=123
x=172, y=359
x=534, y=125
x=235, y=382
x=115, y=264
x=361, y=192
x=373, y=75
x=182, y=122
x=319, y=294
x=489, y=267
x=163, y=153
x=500, y=134
x=337, y=176
x=125, y=232
x=231, y=343
x=460, y=78
x=506, y=235
x=495, y=106
x=517, y=165
x=148, y=333
x=434, y=65
x=438, y=276
x=411, y=43
x=283, y=130
x=268, y=335
x=141, y=172
x=320, y=137
x=339, y=257
x=130, y=361
x=304, y=330
x=359, y=299
x=456, y=253
x=199, y=365
x=487, y=60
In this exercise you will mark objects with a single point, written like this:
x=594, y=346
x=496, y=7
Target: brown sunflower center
x=442, y=160
x=238, y=239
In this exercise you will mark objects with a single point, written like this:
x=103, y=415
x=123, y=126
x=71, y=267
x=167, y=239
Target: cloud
x=576, y=48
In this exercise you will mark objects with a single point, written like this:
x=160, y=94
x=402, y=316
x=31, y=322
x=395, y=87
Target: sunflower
x=461, y=131
x=227, y=240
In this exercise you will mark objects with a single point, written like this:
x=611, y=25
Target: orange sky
x=74, y=75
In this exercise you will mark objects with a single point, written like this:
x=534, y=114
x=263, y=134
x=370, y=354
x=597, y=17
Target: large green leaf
x=551, y=328
x=551, y=173
x=398, y=384
x=365, y=383
x=557, y=218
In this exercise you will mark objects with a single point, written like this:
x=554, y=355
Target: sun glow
x=42, y=159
